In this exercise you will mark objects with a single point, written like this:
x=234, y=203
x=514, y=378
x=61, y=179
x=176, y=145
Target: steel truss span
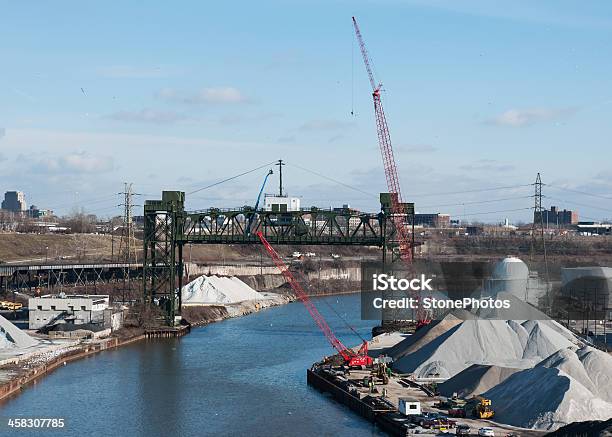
x=168, y=227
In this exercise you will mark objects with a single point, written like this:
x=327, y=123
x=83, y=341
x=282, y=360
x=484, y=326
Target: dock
x=382, y=414
x=167, y=331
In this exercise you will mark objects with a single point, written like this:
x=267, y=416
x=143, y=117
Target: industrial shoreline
x=26, y=370
x=20, y=371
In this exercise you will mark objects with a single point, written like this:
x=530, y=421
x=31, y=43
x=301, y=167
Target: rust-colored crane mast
x=393, y=185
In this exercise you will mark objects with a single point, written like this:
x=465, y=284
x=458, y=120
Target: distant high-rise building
x=37, y=213
x=554, y=217
x=14, y=201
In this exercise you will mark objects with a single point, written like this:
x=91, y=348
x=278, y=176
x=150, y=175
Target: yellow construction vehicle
x=483, y=409
x=13, y=306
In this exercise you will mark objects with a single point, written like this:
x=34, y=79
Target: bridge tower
x=163, y=252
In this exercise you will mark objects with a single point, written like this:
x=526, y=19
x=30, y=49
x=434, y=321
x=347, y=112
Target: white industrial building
x=76, y=309
x=276, y=203
x=409, y=406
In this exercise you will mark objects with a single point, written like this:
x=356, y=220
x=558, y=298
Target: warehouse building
x=76, y=309
x=436, y=220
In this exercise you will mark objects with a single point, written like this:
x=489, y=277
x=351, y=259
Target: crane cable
x=305, y=281
x=231, y=178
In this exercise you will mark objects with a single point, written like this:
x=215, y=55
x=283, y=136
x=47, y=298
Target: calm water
x=245, y=376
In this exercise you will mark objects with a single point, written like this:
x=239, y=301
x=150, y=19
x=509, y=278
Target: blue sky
x=478, y=95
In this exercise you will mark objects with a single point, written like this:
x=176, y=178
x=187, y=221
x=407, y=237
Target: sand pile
x=568, y=386
x=447, y=347
x=13, y=337
x=217, y=290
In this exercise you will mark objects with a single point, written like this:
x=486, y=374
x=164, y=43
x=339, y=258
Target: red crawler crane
x=393, y=184
x=350, y=357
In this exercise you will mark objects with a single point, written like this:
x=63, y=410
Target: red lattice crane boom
x=393, y=184
x=351, y=357
x=386, y=149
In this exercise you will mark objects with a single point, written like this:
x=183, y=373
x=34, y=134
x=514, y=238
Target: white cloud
x=525, y=117
x=77, y=162
x=224, y=94
x=2, y=132
x=147, y=115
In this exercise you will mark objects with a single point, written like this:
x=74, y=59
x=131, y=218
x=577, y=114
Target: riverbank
x=21, y=371
x=204, y=381
x=28, y=371
x=201, y=315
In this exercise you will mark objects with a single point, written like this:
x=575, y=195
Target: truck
x=483, y=409
x=434, y=421
x=12, y=306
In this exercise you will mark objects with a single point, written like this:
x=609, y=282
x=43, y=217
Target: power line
x=476, y=202
x=580, y=204
x=350, y=187
x=593, y=218
x=492, y=212
x=472, y=191
x=231, y=178
x=579, y=192
x=87, y=201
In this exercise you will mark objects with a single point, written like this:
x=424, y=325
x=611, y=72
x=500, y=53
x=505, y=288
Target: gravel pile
x=13, y=337
x=447, y=347
x=475, y=380
x=571, y=385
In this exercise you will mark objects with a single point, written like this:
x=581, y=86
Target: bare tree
x=79, y=222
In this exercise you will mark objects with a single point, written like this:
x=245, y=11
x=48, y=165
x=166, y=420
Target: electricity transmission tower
x=127, y=244
x=537, y=227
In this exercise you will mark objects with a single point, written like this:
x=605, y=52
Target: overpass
x=51, y=276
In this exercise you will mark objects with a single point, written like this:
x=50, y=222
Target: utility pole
x=280, y=177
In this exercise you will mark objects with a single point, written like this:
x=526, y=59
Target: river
x=244, y=376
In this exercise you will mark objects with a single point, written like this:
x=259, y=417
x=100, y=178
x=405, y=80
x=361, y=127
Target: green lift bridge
x=168, y=227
